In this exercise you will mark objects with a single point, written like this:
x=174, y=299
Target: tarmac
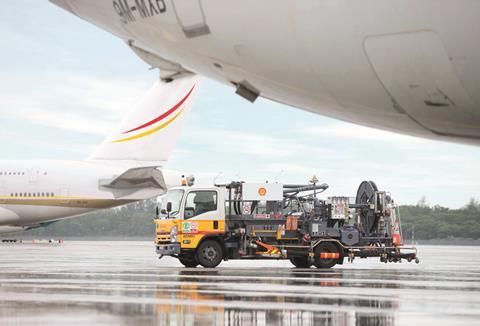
x=124, y=283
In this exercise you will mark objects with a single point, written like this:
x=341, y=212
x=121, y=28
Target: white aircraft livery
x=409, y=66
x=128, y=166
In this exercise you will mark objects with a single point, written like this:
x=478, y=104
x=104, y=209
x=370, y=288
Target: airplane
x=406, y=66
x=128, y=166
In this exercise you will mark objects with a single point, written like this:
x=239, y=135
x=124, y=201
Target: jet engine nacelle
x=8, y=217
x=11, y=229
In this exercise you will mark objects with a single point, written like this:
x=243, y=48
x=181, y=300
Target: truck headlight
x=174, y=234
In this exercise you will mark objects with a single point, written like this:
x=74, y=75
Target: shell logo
x=262, y=191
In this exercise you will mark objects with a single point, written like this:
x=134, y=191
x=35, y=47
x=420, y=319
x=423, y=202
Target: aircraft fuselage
x=407, y=66
x=32, y=192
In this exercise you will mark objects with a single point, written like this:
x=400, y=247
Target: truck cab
x=188, y=217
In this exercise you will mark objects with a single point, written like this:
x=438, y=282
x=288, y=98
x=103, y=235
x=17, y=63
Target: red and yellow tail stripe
x=176, y=110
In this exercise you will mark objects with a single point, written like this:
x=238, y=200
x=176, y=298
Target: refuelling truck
x=240, y=220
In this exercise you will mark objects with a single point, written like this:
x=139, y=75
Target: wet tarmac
x=123, y=283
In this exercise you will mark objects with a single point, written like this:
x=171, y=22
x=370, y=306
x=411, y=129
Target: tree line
x=437, y=222
x=136, y=220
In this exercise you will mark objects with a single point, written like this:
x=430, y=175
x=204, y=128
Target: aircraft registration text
x=130, y=11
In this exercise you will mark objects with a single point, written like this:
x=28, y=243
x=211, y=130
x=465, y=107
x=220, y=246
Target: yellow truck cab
x=192, y=220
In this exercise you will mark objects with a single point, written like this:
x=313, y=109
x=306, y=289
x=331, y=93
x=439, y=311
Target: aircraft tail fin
x=150, y=131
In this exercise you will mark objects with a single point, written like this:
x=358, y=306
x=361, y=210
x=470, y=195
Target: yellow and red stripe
x=176, y=108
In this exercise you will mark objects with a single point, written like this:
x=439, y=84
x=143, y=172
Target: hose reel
x=366, y=196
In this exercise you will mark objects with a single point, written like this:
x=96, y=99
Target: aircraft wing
x=135, y=178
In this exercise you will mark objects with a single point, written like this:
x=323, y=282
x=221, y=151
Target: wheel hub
x=210, y=253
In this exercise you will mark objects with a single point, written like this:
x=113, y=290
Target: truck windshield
x=175, y=197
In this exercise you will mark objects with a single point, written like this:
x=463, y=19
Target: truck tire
x=209, y=254
x=300, y=262
x=188, y=261
x=326, y=248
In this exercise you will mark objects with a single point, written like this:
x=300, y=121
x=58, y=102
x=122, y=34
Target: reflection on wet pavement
x=124, y=283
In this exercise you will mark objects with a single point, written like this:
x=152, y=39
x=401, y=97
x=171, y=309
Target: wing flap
x=137, y=178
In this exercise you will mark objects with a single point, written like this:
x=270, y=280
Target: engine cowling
x=11, y=229
x=8, y=217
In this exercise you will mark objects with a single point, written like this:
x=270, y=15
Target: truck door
x=201, y=217
x=191, y=17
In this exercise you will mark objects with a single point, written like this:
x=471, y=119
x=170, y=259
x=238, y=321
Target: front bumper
x=168, y=249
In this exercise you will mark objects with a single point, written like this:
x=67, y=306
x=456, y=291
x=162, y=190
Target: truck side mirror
x=157, y=213
x=189, y=212
x=169, y=207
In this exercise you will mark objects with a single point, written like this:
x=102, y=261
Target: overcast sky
x=65, y=84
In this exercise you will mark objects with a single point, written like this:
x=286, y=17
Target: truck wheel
x=300, y=262
x=209, y=253
x=188, y=261
x=326, y=255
